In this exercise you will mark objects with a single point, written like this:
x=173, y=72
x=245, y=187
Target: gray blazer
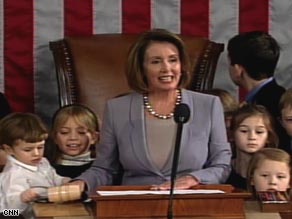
x=204, y=153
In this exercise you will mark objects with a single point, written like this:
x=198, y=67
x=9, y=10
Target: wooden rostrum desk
x=68, y=210
x=233, y=204
x=227, y=205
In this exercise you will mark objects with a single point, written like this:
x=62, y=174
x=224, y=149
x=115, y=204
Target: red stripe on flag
x=195, y=17
x=253, y=15
x=78, y=17
x=136, y=16
x=18, y=54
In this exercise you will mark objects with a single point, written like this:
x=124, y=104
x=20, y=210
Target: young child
x=229, y=103
x=74, y=131
x=23, y=135
x=269, y=170
x=285, y=107
x=252, y=129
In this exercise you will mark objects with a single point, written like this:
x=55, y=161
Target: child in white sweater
x=23, y=135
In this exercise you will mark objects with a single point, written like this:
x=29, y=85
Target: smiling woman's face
x=162, y=66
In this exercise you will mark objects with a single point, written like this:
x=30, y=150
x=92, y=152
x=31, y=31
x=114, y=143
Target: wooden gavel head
x=64, y=193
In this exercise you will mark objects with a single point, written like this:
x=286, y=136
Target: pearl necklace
x=149, y=108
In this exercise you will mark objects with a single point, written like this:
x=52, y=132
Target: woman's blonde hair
x=134, y=66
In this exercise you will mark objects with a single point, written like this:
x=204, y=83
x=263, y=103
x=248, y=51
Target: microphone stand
x=181, y=116
x=174, y=170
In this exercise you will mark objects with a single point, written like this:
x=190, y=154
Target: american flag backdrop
x=27, y=74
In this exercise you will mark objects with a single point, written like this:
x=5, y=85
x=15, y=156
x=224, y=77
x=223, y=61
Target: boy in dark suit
x=253, y=58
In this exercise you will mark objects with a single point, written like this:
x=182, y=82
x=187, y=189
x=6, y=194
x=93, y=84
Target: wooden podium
x=227, y=205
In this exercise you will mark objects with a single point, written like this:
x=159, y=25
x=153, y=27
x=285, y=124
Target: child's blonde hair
x=274, y=154
x=81, y=113
x=249, y=110
x=27, y=127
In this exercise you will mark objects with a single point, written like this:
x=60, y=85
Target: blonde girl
x=269, y=170
x=74, y=132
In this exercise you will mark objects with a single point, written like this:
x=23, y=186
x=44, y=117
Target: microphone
x=181, y=116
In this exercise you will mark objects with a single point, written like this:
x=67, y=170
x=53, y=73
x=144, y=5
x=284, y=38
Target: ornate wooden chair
x=90, y=69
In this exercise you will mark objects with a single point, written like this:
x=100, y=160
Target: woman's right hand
x=81, y=184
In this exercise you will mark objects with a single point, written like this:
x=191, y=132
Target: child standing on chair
x=252, y=129
x=74, y=132
x=23, y=135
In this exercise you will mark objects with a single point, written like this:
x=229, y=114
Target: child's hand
x=28, y=195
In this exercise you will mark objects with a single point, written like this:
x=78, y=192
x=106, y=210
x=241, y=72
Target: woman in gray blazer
x=138, y=132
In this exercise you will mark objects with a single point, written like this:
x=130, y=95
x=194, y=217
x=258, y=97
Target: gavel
x=64, y=193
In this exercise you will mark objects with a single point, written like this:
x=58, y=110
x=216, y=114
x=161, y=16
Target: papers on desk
x=153, y=192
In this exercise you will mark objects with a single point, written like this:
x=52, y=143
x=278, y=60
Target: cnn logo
x=11, y=212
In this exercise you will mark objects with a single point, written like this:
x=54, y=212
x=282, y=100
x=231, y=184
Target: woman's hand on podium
x=183, y=182
x=81, y=184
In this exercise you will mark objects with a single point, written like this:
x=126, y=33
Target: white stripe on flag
x=166, y=14
x=280, y=28
x=48, y=26
x=1, y=47
x=223, y=25
x=107, y=15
